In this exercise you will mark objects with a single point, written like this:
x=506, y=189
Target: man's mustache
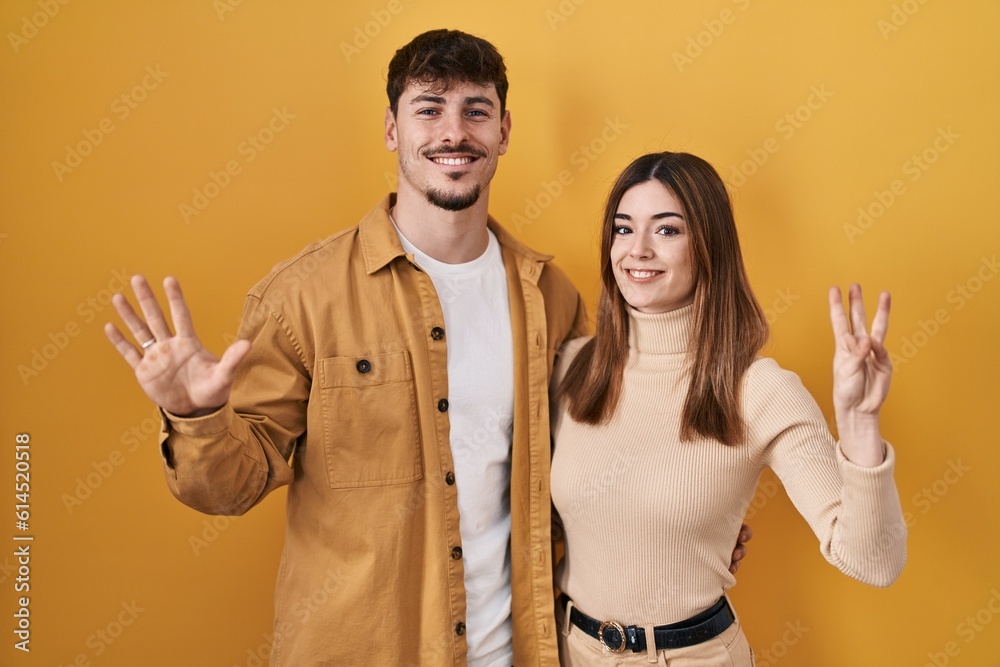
x=465, y=149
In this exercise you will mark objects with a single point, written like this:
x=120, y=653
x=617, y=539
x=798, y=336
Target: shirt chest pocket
x=370, y=430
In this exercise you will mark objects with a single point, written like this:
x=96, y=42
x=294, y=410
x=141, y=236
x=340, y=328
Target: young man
x=395, y=376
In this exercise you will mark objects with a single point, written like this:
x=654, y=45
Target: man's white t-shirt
x=476, y=311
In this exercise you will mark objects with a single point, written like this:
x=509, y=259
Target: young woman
x=667, y=417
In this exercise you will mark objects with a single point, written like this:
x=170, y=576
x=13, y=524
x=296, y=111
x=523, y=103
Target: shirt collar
x=380, y=243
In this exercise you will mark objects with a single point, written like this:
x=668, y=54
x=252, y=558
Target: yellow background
x=886, y=80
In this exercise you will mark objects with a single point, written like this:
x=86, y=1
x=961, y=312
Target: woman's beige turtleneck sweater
x=650, y=521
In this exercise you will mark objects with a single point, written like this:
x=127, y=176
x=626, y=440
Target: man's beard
x=454, y=201
x=458, y=201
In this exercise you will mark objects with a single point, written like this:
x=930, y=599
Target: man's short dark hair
x=443, y=58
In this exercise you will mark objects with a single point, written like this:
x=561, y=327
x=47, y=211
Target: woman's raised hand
x=862, y=371
x=174, y=370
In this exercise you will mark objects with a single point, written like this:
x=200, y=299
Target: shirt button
x=460, y=628
x=443, y=405
x=437, y=333
x=456, y=553
x=414, y=266
x=364, y=366
x=449, y=478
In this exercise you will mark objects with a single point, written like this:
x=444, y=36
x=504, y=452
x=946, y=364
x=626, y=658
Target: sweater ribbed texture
x=651, y=521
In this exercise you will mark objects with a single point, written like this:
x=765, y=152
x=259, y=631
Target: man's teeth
x=452, y=161
x=642, y=274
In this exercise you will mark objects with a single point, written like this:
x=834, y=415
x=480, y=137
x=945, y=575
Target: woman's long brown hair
x=728, y=325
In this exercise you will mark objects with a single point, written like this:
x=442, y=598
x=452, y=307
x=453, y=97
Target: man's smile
x=453, y=161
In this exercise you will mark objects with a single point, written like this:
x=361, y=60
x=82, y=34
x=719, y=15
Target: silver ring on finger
x=148, y=344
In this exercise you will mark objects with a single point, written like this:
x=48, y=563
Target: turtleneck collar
x=660, y=333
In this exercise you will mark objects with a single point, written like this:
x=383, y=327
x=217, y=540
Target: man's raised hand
x=174, y=370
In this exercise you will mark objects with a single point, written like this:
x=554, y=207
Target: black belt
x=695, y=630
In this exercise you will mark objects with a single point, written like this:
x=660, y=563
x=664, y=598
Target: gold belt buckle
x=621, y=632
